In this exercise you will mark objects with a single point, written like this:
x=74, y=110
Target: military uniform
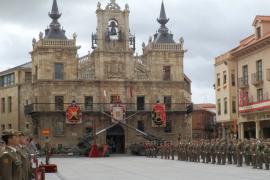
x=259, y=153
x=26, y=162
x=267, y=156
x=230, y=148
x=10, y=160
x=239, y=150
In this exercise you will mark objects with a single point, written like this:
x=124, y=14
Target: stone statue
x=34, y=41
x=181, y=42
x=74, y=36
x=143, y=45
x=40, y=35
x=150, y=39
x=99, y=5
x=127, y=7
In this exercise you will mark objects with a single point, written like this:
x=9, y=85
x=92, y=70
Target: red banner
x=73, y=114
x=159, y=115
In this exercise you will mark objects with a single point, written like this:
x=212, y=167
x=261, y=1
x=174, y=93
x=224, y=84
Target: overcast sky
x=209, y=27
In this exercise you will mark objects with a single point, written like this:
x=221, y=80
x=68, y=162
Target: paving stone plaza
x=133, y=168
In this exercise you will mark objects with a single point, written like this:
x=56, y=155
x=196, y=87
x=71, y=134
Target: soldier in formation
x=15, y=159
x=216, y=151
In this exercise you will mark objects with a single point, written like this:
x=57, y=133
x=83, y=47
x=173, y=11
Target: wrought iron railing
x=100, y=107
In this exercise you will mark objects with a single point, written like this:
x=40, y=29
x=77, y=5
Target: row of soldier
x=15, y=156
x=255, y=153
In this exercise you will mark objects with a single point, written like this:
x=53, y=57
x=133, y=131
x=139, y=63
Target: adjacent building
x=243, y=84
x=204, y=122
x=35, y=96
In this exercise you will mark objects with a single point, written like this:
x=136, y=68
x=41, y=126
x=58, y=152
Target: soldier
x=247, y=152
x=208, y=151
x=10, y=160
x=266, y=155
x=161, y=150
x=2, y=145
x=253, y=149
x=239, y=150
x=179, y=150
x=259, y=153
x=172, y=150
x=223, y=152
x=230, y=148
x=213, y=152
x=234, y=152
x=48, y=151
x=218, y=151
x=25, y=156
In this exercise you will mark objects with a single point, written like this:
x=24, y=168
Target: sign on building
x=118, y=113
x=159, y=115
x=73, y=114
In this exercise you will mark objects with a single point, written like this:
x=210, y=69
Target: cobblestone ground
x=141, y=168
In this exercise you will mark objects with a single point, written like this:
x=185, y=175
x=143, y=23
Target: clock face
x=113, y=30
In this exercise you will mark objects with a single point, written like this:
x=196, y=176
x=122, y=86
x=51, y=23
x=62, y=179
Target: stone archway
x=115, y=139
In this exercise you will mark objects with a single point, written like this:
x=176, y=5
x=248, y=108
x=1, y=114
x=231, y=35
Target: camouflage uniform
x=230, y=148
x=259, y=153
x=267, y=156
x=239, y=150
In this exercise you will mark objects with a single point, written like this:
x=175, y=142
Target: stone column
x=241, y=130
x=258, y=129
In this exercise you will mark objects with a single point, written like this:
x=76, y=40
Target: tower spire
x=54, y=14
x=163, y=35
x=163, y=20
x=55, y=31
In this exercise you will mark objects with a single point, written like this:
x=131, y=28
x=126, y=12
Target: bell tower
x=113, y=42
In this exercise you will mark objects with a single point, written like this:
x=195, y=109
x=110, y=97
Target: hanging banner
x=73, y=114
x=118, y=112
x=159, y=115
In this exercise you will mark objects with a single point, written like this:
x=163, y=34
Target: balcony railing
x=243, y=83
x=101, y=107
x=257, y=78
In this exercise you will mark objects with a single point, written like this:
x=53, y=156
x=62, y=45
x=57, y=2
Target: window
x=218, y=80
x=59, y=103
x=59, y=71
x=140, y=125
x=3, y=105
x=9, y=126
x=233, y=78
x=115, y=99
x=88, y=103
x=59, y=128
x=259, y=95
x=219, y=107
x=225, y=106
x=7, y=80
x=3, y=127
x=9, y=104
x=245, y=74
x=36, y=73
x=234, y=105
x=168, y=128
x=28, y=77
x=140, y=103
x=258, y=32
x=224, y=77
x=259, y=75
x=166, y=73
x=168, y=102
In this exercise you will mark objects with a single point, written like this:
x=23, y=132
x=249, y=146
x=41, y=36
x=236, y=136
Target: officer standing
x=48, y=150
x=266, y=155
x=10, y=160
x=25, y=156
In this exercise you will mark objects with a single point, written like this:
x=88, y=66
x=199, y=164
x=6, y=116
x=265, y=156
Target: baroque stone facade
x=110, y=72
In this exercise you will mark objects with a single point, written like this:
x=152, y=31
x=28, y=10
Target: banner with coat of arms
x=73, y=114
x=118, y=112
x=159, y=115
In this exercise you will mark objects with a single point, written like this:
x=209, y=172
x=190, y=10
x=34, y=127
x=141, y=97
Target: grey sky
x=209, y=27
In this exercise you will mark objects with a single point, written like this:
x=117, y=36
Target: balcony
x=253, y=106
x=257, y=79
x=100, y=107
x=243, y=83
